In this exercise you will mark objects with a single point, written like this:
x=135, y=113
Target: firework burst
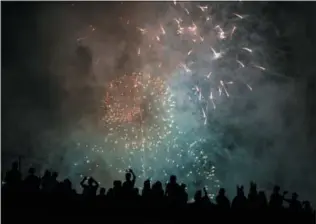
x=157, y=119
x=140, y=132
x=138, y=112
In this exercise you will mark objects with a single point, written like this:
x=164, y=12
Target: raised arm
x=133, y=176
x=82, y=182
x=206, y=194
x=96, y=184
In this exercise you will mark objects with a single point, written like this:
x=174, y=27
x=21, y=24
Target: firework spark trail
x=140, y=132
x=203, y=35
x=194, y=55
x=204, y=44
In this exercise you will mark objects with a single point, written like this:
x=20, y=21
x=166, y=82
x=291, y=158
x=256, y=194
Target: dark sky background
x=36, y=97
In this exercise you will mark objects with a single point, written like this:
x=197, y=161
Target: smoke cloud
x=57, y=63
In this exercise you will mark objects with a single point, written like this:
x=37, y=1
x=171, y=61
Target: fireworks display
x=216, y=93
x=156, y=119
x=138, y=112
x=140, y=132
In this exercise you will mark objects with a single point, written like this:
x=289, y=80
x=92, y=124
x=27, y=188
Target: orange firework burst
x=137, y=111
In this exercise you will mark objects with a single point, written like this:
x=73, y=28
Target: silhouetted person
x=128, y=185
x=64, y=199
x=101, y=198
x=294, y=204
x=31, y=182
x=102, y=192
x=307, y=208
x=253, y=196
x=276, y=199
x=90, y=189
x=117, y=189
x=197, y=205
x=146, y=192
x=198, y=197
x=206, y=199
x=110, y=194
x=183, y=194
x=262, y=200
x=114, y=195
x=158, y=193
x=173, y=190
x=67, y=187
x=13, y=177
x=222, y=201
x=53, y=183
x=240, y=200
x=45, y=181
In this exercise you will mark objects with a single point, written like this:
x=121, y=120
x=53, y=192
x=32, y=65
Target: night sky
x=52, y=84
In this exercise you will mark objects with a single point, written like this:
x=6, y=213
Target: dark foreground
x=45, y=199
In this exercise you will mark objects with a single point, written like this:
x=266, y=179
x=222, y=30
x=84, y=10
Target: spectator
x=146, y=192
x=31, y=182
x=183, y=194
x=13, y=177
x=173, y=190
x=262, y=200
x=158, y=193
x=222, y=201
x=53, y=185
x=90, y=189
x=253, y=200
x=46, y=181
x=294, y=204
x=240, y=201
x=276, y=200
x=65, y=200
x=128, y=185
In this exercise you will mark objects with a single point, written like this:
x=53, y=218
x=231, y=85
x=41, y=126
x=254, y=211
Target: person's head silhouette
x=102, y=191
x=90, y=181
x=198, y=195
x=173, y=179
x=128, y=176
x=221, y=192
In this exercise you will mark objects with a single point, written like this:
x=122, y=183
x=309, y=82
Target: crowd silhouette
x=48, y=196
